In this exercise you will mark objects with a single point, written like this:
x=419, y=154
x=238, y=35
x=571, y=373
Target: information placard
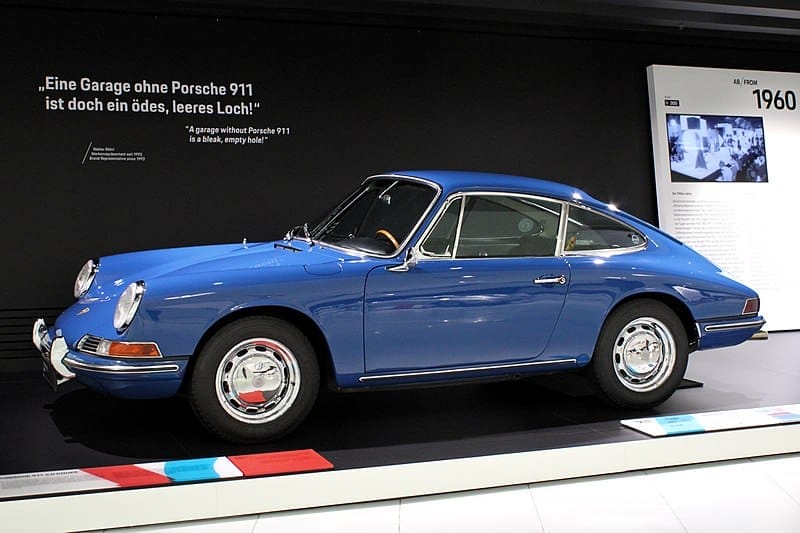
x=725, y=146
x=664, y=426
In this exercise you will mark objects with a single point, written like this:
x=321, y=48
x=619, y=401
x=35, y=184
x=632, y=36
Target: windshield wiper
x=304, y=228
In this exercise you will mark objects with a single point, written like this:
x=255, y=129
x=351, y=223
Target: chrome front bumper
x=119, y=377
x=53, y=351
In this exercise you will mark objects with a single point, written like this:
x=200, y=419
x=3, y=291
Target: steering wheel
x=388, y=234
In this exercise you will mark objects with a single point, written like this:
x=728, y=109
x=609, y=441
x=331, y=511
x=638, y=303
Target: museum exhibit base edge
x=376, y=446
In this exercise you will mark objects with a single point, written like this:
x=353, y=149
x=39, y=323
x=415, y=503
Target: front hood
x=117, y=271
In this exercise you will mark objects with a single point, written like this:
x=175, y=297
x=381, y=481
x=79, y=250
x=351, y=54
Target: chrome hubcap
x=257, y=380
x=644, y=354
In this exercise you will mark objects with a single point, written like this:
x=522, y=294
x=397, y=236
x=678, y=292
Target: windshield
x=378, y=217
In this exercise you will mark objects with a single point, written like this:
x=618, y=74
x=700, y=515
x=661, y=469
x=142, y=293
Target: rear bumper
x=727, y=332
x=122, y=378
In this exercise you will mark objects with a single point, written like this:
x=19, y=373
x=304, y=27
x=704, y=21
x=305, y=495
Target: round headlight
x=85, y=278
x=127, y=305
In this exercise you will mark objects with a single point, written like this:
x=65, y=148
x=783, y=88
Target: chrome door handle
x=562, y=279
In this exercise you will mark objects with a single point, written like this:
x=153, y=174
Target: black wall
x=359, y=100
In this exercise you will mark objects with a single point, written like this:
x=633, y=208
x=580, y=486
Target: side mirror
x=409, y=262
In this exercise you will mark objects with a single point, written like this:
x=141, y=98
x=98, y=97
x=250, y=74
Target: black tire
x=255, y=380
x=641, y=355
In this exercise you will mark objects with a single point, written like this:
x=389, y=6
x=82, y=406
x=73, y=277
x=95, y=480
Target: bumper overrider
x=126, y=377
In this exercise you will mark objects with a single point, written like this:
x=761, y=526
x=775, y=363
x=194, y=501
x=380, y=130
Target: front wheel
x=255, y=380
x=641, y=354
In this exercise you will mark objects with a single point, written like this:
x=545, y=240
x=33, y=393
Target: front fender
x=177, y=311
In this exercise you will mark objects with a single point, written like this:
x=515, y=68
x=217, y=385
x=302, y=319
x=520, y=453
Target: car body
x=418, y=277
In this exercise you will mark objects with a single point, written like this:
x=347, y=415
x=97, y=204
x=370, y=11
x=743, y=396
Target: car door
x=487, y=289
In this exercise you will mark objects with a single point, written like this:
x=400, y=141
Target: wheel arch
x=675, y=304
x=300, y=320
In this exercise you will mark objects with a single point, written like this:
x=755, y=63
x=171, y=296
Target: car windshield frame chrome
x=356, y=195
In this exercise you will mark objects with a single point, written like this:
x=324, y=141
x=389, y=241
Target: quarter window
x=589, y=231
x=442, y=238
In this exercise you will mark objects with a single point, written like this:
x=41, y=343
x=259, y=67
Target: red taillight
x=751, y=306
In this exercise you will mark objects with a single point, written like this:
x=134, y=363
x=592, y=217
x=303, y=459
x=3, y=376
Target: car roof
x=452, y=181
x=455, y=180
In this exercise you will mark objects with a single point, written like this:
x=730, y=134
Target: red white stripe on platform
x=160, y=473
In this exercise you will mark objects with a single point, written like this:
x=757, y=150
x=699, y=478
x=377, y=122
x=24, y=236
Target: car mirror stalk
x=409, y=262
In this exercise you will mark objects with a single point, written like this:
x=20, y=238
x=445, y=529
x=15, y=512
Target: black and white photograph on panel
x=715, y=148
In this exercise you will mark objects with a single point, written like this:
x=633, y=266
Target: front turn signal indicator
x=133, y=349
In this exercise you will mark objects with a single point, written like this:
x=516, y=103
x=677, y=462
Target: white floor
x=750, y=495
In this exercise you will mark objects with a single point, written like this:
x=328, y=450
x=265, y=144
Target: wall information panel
x=725, y=147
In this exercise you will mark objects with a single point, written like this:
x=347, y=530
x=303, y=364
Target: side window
x=441, y=240
x=587, y=230
x=507, y=226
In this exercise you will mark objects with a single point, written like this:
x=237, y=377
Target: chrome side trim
x=422, y=373
x=121, y=369
x=735, y=325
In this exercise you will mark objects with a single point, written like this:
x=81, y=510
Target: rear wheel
x=641, y=354
x=255, y=380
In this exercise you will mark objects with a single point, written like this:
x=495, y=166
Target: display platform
x=392, y=444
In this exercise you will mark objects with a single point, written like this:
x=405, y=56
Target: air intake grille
x=89, y=344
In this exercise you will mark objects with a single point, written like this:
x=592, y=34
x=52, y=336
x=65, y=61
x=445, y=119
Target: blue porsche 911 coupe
x=416, y=278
